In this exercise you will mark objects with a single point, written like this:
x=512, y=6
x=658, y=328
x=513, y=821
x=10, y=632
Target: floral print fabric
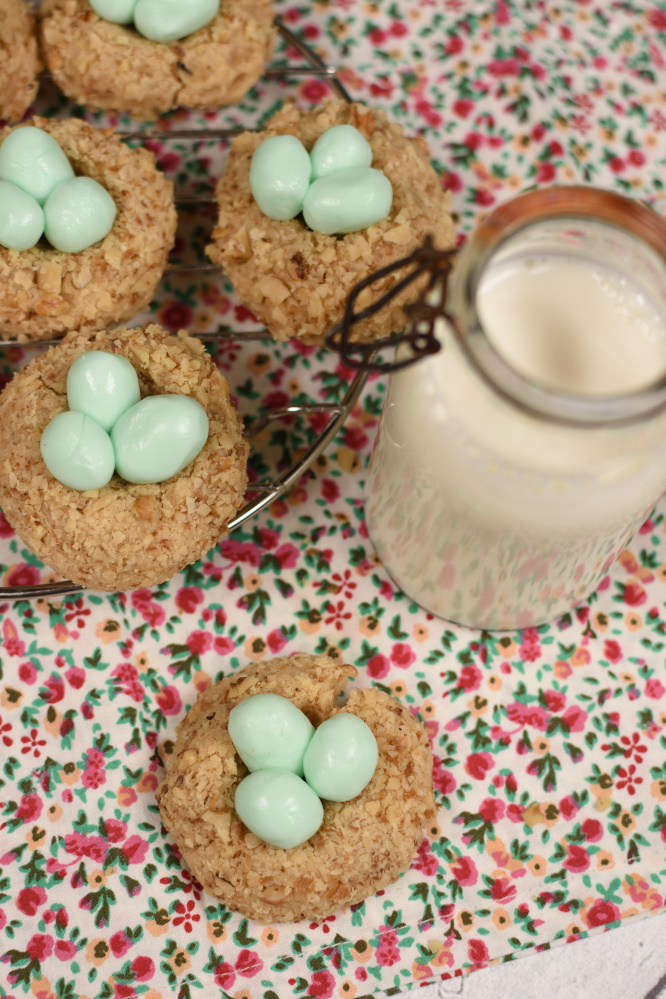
x=549, y=744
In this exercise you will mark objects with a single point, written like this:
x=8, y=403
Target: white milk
x=492, y=517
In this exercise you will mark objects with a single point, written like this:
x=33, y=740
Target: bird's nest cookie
x=111, y=67
x=297, y=281
x=46, y=292
x=19, y=59
x=122, y=536
x=362, y=845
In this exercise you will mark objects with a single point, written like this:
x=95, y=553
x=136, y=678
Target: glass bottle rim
x=568, y=203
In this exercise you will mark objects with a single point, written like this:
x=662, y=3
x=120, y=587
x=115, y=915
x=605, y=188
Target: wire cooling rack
x=260, y=494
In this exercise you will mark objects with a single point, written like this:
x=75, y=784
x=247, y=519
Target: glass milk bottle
x=512, y=467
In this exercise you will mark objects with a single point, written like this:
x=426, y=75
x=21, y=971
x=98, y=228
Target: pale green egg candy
x=341, y=758
x=77, y=452
x=33, y=160
x=339, y=148
x=158, y=437
x=278, y=807
x=21, y=218
x=170, y=20
x=268, y=731
x=115, y=11
x=77, y=214
x=347, y=201
x=279, y=176
x=102, y=386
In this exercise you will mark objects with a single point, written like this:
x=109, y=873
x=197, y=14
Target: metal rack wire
x=261, y=494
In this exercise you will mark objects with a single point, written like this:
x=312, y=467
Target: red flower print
x=402, y=655
x=628, y=779
x=223, y=645
x=75, y=677
x=322, y=985
x=424, y=860
x=23, y=575
x=5, y=729
x=188, y=598
x=276, y=641
x=601, y=913
x=634, y=594
x=657, y=19
x=577, y=859
x=612, y=650
x=248, y=963
x=632, y=747
x=11, y=643
x=336, y=614
x=27, y=672
x=491, y=810
x=143, y=968
x=168, y=700
x=464, y=871
x=30, y=808
x=477, y=765
x=555, y=700
x=477, y=951
x=65, y=950
x=31, y=743
x=387, y=952
x=6, y=530
x=40, y=946
x=29, y=900
x=527, y=714
x=55, y=689
x=175, y=316
x=469, y=678
x=330, y=490
x=592, y=830
x=186, y=915
x=502, y=890
x=568, y=807
x=225, y=976
x=119, y=943
x=463, y=107
x=199, y=642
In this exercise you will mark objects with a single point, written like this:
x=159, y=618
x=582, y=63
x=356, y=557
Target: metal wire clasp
x=422, y=314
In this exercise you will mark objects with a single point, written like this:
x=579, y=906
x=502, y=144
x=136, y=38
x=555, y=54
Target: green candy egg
x=279, y=176
x=339, y=148
x=268, y=731
x=278, y=807
x=77, y=214
x=158, y=437
x=341, y=757
x=115, y=11
x=102, y=386
x=347, y=200
x=21, y=218
x=170, y=20
x=33, y=160
x=77, y=452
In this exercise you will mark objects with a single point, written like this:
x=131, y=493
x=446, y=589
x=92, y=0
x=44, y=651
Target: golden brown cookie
x=121, y=536
x=363, y=844
x=297, y=281
x=45, y=292
x=111, y=67
x=19, y=59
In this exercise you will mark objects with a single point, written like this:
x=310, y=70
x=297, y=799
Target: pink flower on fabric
x=402, y=655
x=577, y=859
x=503, y=890
x=30, y=808
x=528, y=714
x=40, y=946
x=634, y=594
x=601, y=913
x=555, y=700
x=168, y=700
x=115, y=830
x=424, y=860
x=143, y=968
x=240, y=551
x=575, y=718
x=199, y=642
x=11, y=643
x=443, y=780
x=135, y=849
x=6, y=530
x=568, y=807
x=491, y=810
x=464, y=871
x=469, y=678
x=248, y=963
x=287, y=556
x=225, y=976
x=223, y=645
x=276, y=641
x=188, y=598
x=65, y=950
x=322, y=985
x=654, y=688
x=387, y=952
x=477, y=765
x=27, y=672
x=23, y=575
x=592, y=830
x=612, y=650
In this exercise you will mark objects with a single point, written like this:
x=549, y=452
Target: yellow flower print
x=420, y=971
x=270, y=936
x=97, y=951
x=141, y=661
x=259, y=363
x=216, y=931
x=108, y=631
x=201, y=680
x=427, y=710
x=361, y=952
x=501, y=919
x=633, y=621
x=159, y=924
x=52, y=721
x=147, y=782
x=398, y=688
x=54, y=812
x=658, y=789
x=465, y=920
x=562, y=669
x=10, y=698
x=97, y=878
x=626, y=821
x=627, y=678
x=348, y=989
x=494, y=682
x=70, y=774
x=348, y=460
x=254, y=648
x=369, y=625
x=574, y=930
x=605, y=860
x=477, y=706
x=252, y=582
x=507, y=648
x=537, y=866
x=541, y=745
x=36, y=838
x=581, y=657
